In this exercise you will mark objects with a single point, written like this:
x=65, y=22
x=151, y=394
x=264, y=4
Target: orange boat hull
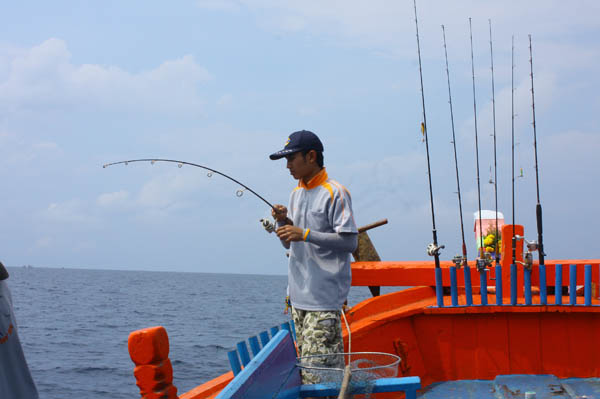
x=456, y=343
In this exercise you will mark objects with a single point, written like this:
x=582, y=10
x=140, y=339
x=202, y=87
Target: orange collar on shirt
x=316, y=181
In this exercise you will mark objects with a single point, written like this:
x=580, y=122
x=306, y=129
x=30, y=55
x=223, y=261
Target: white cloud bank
x=45, y=76
x=390, y=23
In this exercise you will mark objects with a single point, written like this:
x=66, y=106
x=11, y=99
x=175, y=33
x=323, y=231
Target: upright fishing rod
x=481, y=246
x=239, y=193
x=512, y=107
x=538, y=207
x=463, y=260
x=495, y=163
x=433, y=249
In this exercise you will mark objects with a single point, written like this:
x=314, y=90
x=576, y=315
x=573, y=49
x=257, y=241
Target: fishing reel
x=484, y=263
x=532, y=246
x=268, y=225
x=458, y=261
x=434, y=250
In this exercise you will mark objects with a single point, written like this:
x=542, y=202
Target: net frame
x=349, y=356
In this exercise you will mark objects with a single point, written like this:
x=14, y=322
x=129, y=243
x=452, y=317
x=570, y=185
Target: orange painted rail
x=421, y=273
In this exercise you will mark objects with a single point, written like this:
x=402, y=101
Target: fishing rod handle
x=372, y=225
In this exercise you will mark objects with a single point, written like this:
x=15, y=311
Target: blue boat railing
x=240, y=356
x=513, y=288
x=272, y=373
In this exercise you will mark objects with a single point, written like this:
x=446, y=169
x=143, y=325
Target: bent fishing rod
x=495, y=163
x=538, y=207
x=481, y=261
x=463, y=259
x=180, y=164
x=432, y=249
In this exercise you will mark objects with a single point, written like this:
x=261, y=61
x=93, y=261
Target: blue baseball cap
x=302, y=140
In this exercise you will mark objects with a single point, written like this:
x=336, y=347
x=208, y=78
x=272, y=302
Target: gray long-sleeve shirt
x=319, y=275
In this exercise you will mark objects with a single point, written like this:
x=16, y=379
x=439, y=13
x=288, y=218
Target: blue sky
x=223, y=83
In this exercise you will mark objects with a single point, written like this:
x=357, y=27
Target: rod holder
x=499, y=285
x=513, y=284
x=527, y=285
x=439, y=292
x=543, y=286
x=483, y=286
x=587, y=294
x=468, y=287
x=453, y=286
x=558, y=284
x=572, y=284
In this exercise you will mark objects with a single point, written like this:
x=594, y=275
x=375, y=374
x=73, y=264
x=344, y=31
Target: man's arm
x=345, y=242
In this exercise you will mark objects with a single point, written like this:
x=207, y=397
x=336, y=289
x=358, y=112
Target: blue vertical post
x=453, y=286
x=588, y=285
x=483, y=286
x=439, y=293
x=513, y=284
x=498, y=285
x=243, y=351
x=234, y=362
x=573, y=284
x=274, y=330
x=468, y=288
x=264, y=338
x=543, y=287
x=558, y=285
x=527, y=285
x=254, y=346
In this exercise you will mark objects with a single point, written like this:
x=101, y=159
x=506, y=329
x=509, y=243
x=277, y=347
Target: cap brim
x=283, y=153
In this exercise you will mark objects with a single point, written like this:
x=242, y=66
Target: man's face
x=298, y=165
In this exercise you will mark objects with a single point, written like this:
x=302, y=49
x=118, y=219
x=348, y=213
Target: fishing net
x=365, y=368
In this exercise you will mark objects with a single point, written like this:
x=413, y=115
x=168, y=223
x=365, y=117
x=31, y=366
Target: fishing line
x=432, y=249
x=481, y=246
x=495, y=164
x=538, y=207
x=463, y=261
x=211, y=171
x=348, y=369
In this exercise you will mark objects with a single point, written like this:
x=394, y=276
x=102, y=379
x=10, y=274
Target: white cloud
x=307, y=111
x=546, y=87
x=18, y=149
x=45, y=75
x=575, y=155
x=223, y=5
x=388, y=25
x=44, y=242
x=225, y=100
x=116, y=198
x=71, y=212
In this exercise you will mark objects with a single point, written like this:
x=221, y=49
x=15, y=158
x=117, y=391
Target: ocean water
x=74, y=323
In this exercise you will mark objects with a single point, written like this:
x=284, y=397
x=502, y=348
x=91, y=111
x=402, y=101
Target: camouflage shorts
x=318, y=333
